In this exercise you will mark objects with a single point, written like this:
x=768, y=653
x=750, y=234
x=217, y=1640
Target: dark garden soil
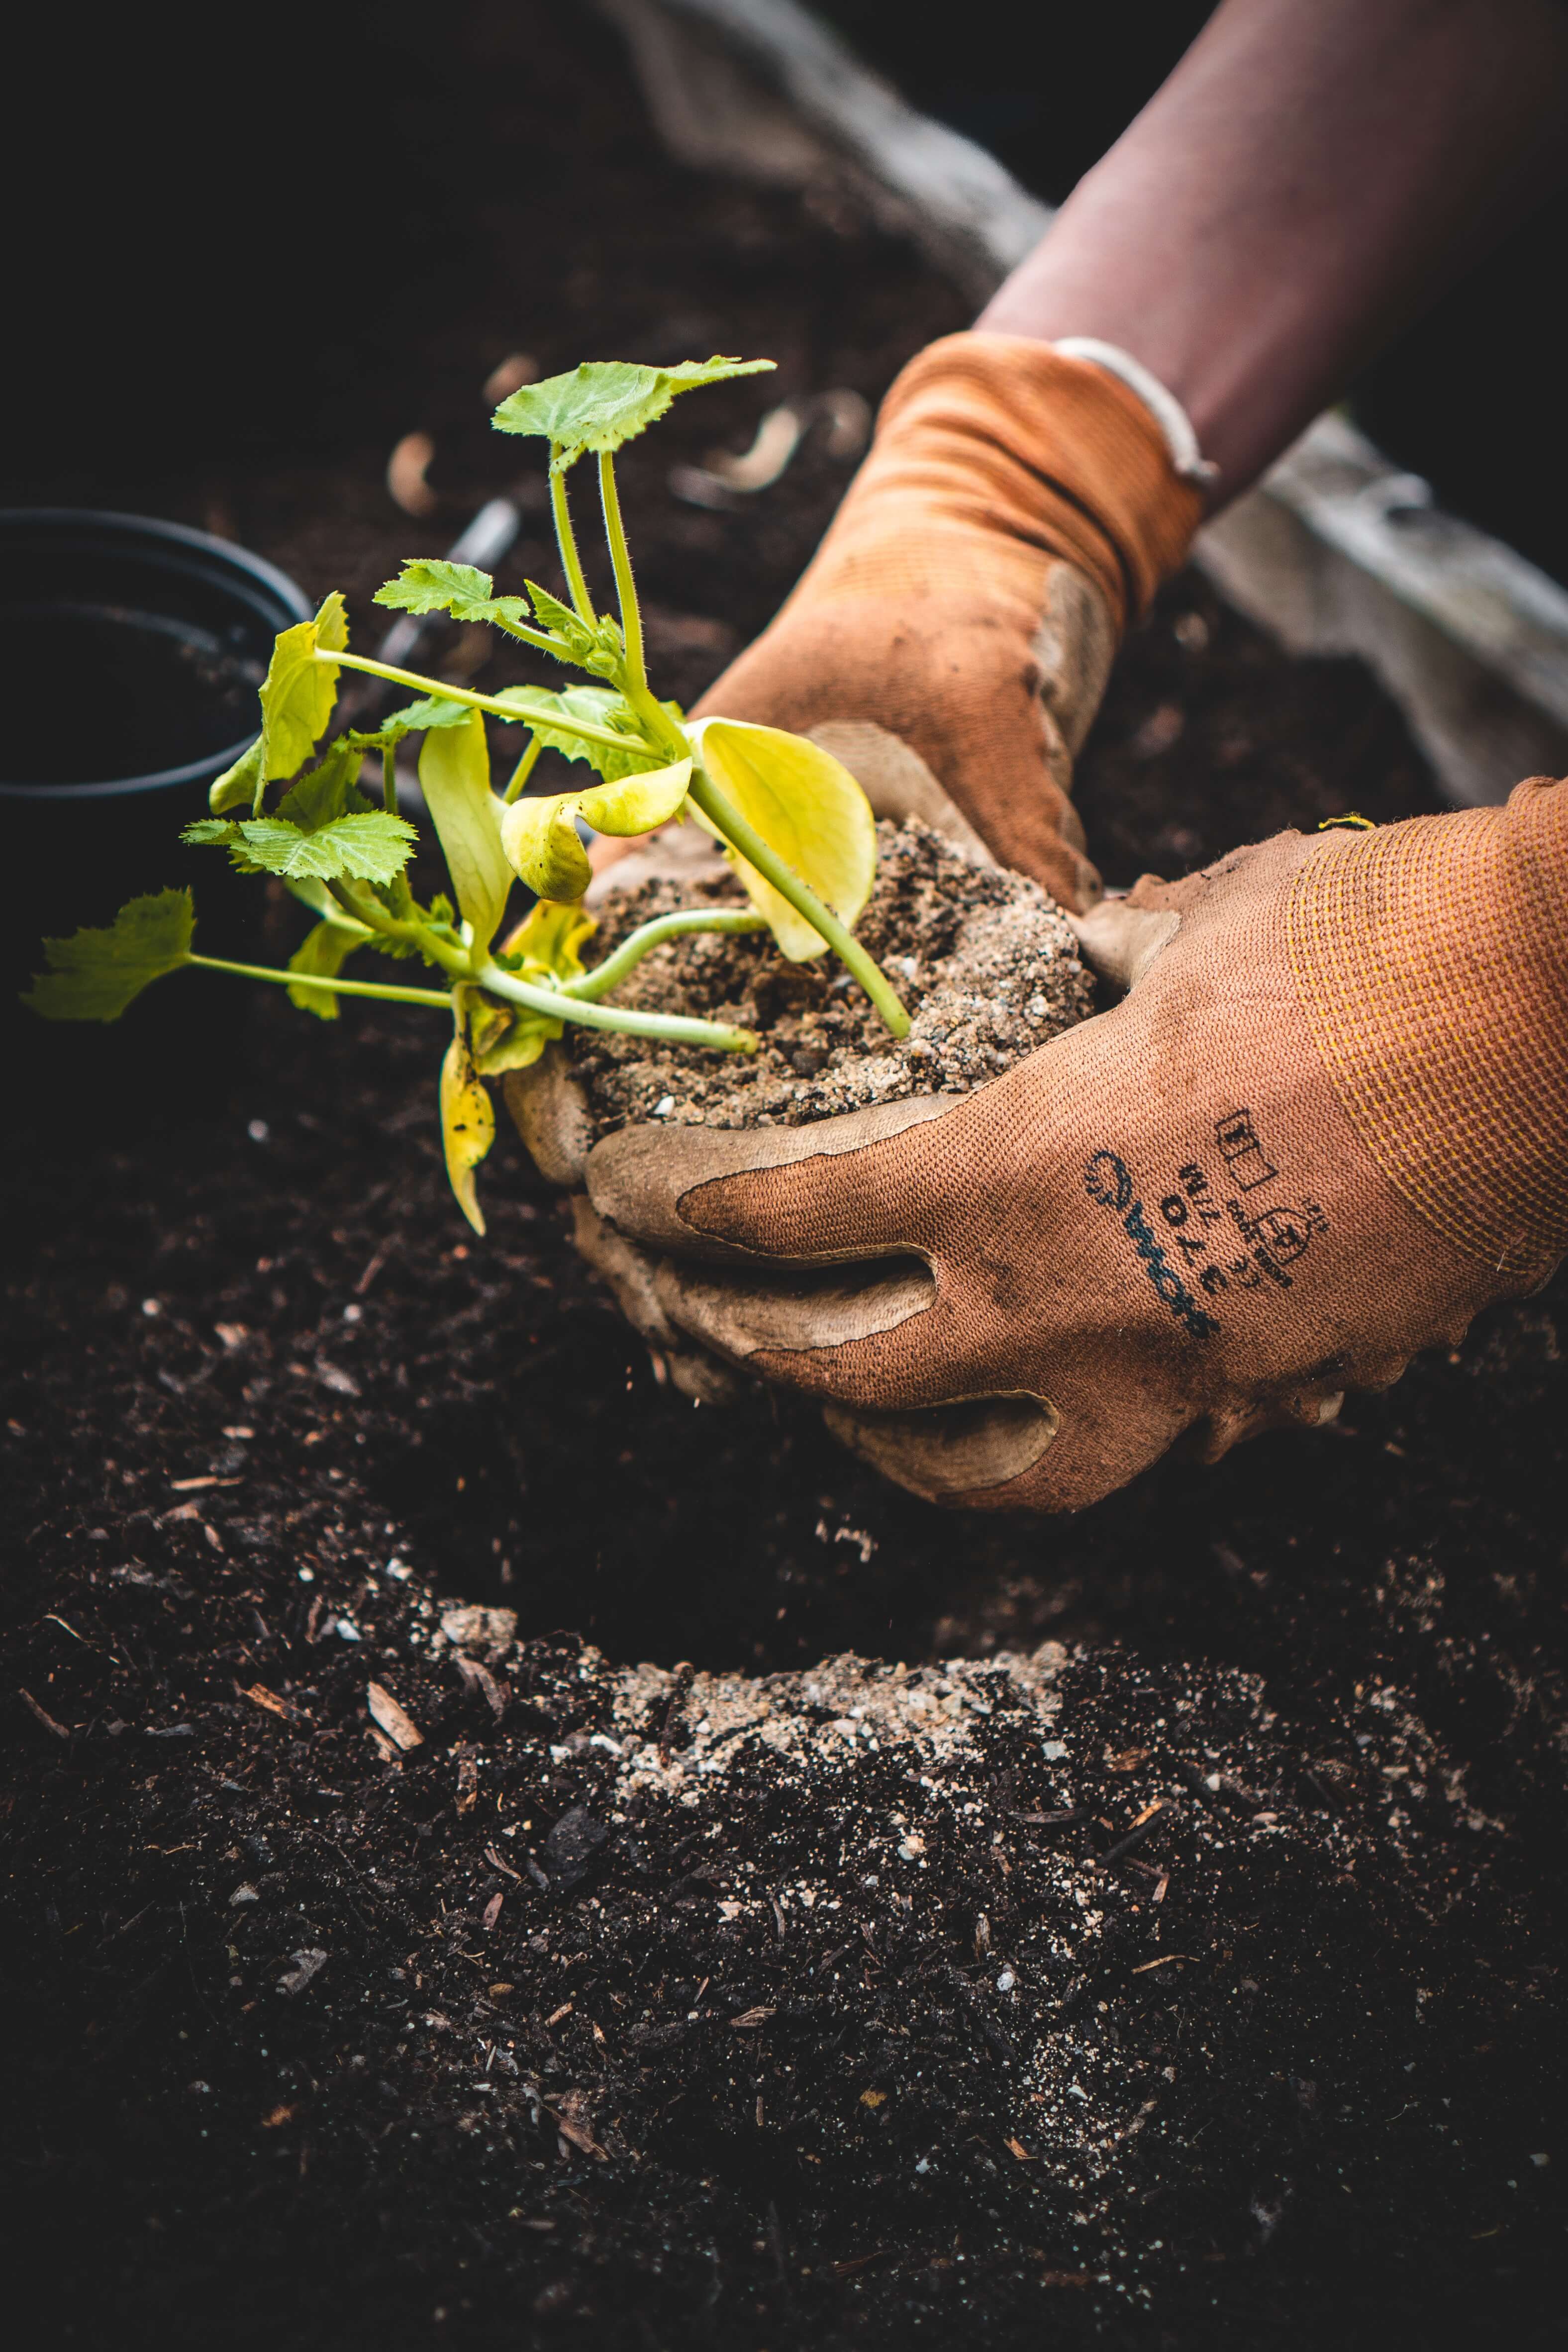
x=1166, y=1952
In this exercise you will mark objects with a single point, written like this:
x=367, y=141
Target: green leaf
x=638, y=804
x=370, y=848
x=455, y=777
x=595, y=646
x=808, y=807
x=237, y=786
x=606, y=403
x=299, y=691
x=95, y=974
x=328, y=793
x=433, y=711
x=468, y=1121
x=541, y=839
x=600, y=706
x=430, y=584
x=211, y=833
x=323, y=950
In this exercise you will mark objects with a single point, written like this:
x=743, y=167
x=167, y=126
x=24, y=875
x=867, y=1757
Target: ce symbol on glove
x=1162, y=1224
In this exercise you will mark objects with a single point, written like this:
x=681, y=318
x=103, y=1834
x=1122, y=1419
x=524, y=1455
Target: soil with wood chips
x=1142, y=1929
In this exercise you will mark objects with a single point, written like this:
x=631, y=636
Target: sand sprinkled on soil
x=983, y=959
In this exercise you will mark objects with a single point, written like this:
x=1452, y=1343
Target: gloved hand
x=1328, y=1124
x=1018, y=510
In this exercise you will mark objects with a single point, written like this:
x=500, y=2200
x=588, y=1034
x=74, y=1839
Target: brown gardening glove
x=1328, y=1124
x=1016, y=512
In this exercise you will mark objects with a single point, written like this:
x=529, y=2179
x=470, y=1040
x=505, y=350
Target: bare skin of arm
x=1311, y=176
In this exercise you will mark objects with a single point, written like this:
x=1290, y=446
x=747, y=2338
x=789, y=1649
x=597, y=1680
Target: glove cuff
x=1071, y=459
x=1431, y=959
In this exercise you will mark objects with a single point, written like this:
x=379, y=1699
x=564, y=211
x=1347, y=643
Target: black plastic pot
x=130, y=651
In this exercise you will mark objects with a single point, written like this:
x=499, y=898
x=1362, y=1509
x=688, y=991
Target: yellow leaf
x=636, y=804
x=299, y=691
x=540, y=841
x=541, y=838
x=521, y=1048
x=468, y=1125
x=808, y=807
x=548, y=940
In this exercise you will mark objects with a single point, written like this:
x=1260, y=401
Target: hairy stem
x=605, y=976
x=672, y=1027
x=524, y=768
x=726, y=818
x=440, y=997
x=515, y=718
x=566, y=540
x=626, y=586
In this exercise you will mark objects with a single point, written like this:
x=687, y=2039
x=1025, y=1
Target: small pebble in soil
x=983, y=956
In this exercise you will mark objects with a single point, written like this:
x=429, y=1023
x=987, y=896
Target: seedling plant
x=794, y=825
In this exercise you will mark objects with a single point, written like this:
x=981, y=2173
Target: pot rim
x=226, y=555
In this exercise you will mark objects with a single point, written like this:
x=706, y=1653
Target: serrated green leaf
x=323, y=950
x=808, y=807
x=211, y=833
x=600, y=706
x=606, y=403
x=371, y=847
x=299, y=691
x=433, y=711
x=95, y=974
x=236, y=787
x=431, y=584
x=595, y=646
x=328, y=791
x=541, y=839
x=468, y=1119
x=551, y=613
x=455, y=777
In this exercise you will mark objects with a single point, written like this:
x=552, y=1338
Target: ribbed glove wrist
x=1431, y=959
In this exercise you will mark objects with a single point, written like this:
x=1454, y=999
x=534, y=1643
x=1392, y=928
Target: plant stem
x=727, y=819
x=440, y=997
x=515, y=717
x=524, y=768
x=566, y=540
x=673, y=1026
x=592, y=985
x=626, y=586
x=367, y=910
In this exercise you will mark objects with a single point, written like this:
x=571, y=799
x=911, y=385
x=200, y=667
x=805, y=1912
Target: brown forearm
x=1310, y=175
